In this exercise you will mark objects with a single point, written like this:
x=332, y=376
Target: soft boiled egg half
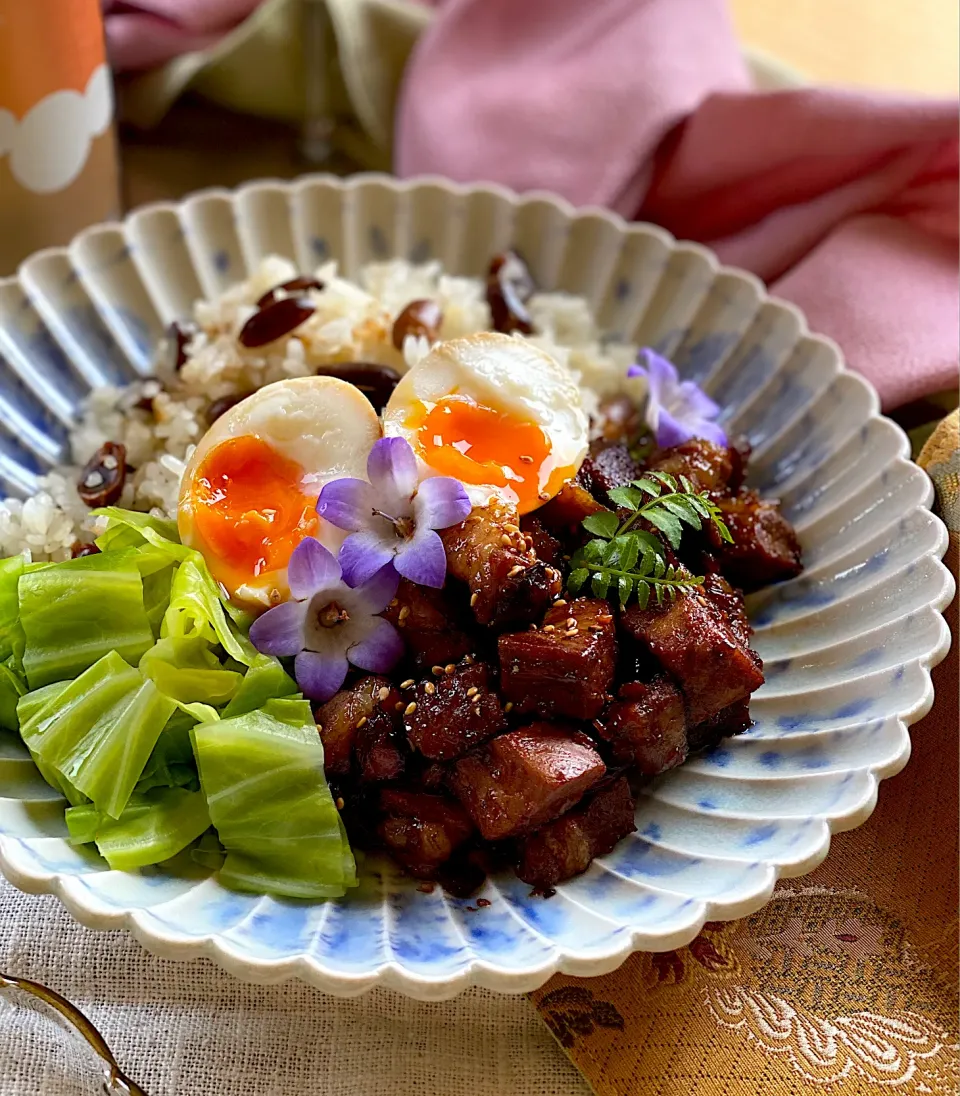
x=249, y=493
x=496, y=413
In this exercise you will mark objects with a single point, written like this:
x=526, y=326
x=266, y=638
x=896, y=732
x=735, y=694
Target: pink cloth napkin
x=844, y=202
x=145, y=33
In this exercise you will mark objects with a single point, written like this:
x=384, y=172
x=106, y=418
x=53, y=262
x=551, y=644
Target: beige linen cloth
x=190, y=1029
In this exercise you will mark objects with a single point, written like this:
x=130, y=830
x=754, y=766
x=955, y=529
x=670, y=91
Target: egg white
x=505, y=373
x=323, y=424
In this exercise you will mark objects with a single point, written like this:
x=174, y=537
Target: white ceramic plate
x=848, y=646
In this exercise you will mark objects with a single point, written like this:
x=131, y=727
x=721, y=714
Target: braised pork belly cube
x=546, y=546
x=572, y=503
x=709, y=467
x=359, y=807
x=379, y=749
x=522, y=779
x=740, y=451
x=430, y=625
x=565, y=667
x=433, y=776
x=765, y=548
x=607, y=466
x=647, y=726
x=730, y=603
x=619, y=420
x=634, y=662
x=565, y=847
x=507, y=583
x=696, y=645
x=730, y=721
x=422, y=830
x=449, y=713
x=370, y=701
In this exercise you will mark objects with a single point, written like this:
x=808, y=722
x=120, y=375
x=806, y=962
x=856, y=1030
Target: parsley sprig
x=630, y=562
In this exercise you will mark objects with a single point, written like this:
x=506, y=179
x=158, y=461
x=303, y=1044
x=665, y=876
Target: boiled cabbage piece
x=98, y=731
x=262, y=773
x=12, y=639
x=171, y=764
x=127, y=673
x=74, y=613
x=12, y=687
x=187, y=670
x=265, y=680
x=194, y=604
x=152, y=827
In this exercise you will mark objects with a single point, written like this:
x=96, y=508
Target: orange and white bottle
x=58, y=161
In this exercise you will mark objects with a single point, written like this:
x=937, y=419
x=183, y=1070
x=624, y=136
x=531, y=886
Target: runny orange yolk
x=480, y=445
x=249, y=509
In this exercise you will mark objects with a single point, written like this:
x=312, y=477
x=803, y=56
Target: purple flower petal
x=711, y=431
x=670, y=431
x=440, y=502
x=698, y=403
x=363, y=554
x=380, y=650
x=662, y=375
x=311, y=568
x=279, y=631
x=319, y=676
x=676, y=410
x=377, y=593
x=422, y=560
x=347, y=503
x=392, y=469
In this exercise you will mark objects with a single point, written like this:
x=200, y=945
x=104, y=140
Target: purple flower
x=393, y=518
x=327, y=623
x=676, y=410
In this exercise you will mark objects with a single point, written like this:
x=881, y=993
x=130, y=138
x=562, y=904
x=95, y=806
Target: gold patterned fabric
x=846, y=982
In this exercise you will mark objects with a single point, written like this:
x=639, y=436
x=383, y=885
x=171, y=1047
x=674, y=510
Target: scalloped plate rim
x=479, y=971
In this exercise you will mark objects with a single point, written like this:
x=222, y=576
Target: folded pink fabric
x=145, y=33
x=844, y=202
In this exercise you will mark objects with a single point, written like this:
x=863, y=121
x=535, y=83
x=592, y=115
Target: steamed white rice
x=353, y=322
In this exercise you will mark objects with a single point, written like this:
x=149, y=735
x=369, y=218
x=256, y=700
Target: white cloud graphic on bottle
x=49, y=146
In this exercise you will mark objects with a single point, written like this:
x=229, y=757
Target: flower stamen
x=331, y=615
x=394, y=517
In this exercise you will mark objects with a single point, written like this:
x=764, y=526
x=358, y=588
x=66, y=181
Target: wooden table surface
x=907, y=45
x=903, y=45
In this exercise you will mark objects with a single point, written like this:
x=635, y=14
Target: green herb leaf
x=668, y=524
x=649, y=541
x=577, y=578
x=592, y=551
x=701, y=505
x=600, y=583
x=721, y=527
x=611, y=554
x=633, y=560
x=625, y=587
x=627, y=497
x=680, y=507
x=649, y=486
x=629, y=546
x=604, y=524
x=666, y=479
x=647, y=561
